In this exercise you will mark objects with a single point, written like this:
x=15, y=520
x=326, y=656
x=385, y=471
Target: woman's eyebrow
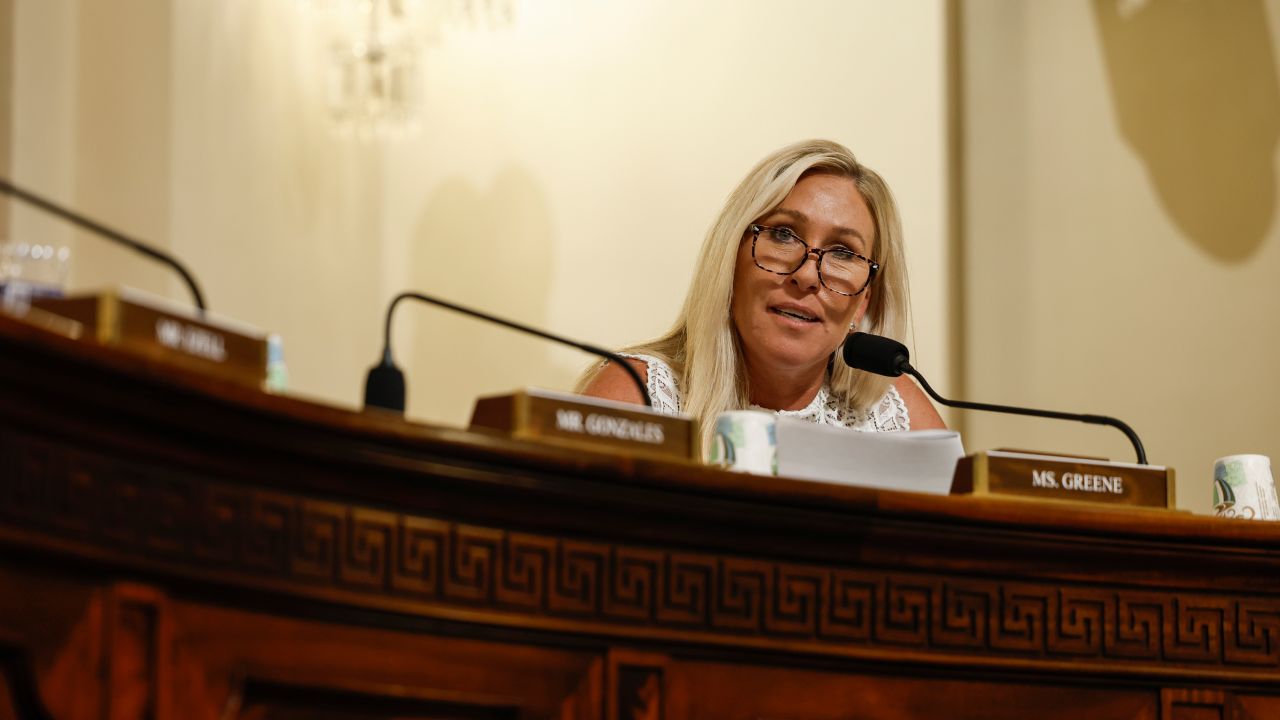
x=801, y=217
x=794, y=214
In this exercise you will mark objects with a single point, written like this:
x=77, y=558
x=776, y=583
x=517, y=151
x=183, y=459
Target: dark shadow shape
x=1195, y=91
x=280, y=701
x=491, y=249
x=24, y=696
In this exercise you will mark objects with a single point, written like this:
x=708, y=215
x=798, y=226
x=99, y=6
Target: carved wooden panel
x=1193, y=704
x=19, y=695
x=231, y=663
x=277, y=701
x=637, y=685
x=137, y=663
x=1253, y=706
x=712, y=690
x=194, y=526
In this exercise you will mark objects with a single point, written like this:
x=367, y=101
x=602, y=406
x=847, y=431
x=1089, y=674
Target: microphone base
x=1060, y=478
x=576, y=421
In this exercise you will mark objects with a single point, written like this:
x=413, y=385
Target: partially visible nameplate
x=155, y=328
x=579, y=421
x=1061, y=478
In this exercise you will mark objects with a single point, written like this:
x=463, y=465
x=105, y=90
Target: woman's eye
x=783, y=235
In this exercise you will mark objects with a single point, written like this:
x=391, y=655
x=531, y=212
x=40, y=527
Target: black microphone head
x=876, y=354
x=384, y=387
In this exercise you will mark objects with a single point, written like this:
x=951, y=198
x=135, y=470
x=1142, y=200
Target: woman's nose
x=806, y=276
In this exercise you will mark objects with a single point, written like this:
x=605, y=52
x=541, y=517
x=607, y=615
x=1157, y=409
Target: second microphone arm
x=1092, y=419
x=592, y=349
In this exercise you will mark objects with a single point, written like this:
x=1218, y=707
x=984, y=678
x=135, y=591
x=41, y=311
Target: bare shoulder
x=614, y=383
x=924, y=416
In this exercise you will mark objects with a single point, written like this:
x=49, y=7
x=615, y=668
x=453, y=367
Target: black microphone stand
x=886, y=356
x=1054, y=414
x=103, y=231
x=384, y=386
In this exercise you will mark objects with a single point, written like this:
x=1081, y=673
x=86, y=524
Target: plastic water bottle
x=277, y=374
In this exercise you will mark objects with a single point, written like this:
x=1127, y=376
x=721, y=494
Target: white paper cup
x=745, y=441
x=1243, y=488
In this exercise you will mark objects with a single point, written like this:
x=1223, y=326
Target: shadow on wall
x=492, y=251
x=1195, y=91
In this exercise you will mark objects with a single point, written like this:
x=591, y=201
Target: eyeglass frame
x=872, y=266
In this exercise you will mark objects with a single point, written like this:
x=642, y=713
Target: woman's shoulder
x=887, y=414
x=902, y=407
x=614, y=383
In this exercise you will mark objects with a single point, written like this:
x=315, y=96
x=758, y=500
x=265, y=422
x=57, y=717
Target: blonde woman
x=807, y=249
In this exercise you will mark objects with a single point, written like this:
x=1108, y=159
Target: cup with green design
x=745, y=441
x=1243, y=488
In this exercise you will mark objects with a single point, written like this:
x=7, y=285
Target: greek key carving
x=740, y=594
x=634, y=575
x=683, y=597
x=795, y=600
x=850, y=609
x=905, y=612
x=1019, y=617
x=468, y=566
x=258, y=536
x=368, y=542
x=1252, y=633
x=420, y=553
x=525, y=566
x=579, y=574
x=1075, y=622
x=1134, y=626
x=961, y=613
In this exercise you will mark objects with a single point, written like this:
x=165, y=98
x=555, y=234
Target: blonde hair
x=703, y=348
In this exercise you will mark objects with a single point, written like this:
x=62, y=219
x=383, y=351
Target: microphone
x=103, y=231
x=885, y=356
x=384, y=386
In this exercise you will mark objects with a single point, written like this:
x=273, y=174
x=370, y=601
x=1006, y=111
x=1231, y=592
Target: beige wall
x=1117, y=192
x=6, y=97
x=566, y=168
x=570, y=165
x=1120, y=236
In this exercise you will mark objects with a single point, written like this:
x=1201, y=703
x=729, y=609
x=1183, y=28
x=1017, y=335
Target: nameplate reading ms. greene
x=1051, y=477
x=574, y=420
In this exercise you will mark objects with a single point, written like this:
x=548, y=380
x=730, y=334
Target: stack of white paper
x=921, y=461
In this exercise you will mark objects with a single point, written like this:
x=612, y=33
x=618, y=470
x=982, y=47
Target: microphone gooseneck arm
x=592, y=349
x=103, y=231
x=1054, y=414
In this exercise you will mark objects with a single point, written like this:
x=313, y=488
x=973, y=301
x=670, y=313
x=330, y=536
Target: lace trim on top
x=661, y=382
x=887, y=415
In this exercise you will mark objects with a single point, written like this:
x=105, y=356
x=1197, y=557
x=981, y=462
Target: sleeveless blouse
x=826, y=408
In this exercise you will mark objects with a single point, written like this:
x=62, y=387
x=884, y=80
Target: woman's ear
x=864, y=301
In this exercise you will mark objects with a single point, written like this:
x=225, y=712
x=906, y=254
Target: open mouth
x=794, y=314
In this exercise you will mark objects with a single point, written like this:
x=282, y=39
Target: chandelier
x=374, y=51
x=374, y=83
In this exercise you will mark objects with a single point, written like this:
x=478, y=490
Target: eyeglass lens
x=780, y=251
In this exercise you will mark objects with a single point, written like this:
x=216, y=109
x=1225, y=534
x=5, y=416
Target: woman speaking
x=806, y=250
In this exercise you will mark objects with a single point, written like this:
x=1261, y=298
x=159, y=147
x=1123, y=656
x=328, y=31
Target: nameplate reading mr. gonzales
x=577, y=421
x=1053, y=477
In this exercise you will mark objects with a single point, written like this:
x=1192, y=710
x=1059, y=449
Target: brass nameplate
x=1061, y=478
x=578, y=421
x=145, y=326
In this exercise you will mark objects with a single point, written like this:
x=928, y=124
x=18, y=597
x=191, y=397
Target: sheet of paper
x=920, y=461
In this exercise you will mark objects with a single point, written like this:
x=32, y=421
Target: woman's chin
x=791, y=356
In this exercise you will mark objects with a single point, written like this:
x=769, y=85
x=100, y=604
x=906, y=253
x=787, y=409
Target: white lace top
x=888, y=415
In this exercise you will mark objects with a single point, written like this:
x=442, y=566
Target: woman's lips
x=793, y=313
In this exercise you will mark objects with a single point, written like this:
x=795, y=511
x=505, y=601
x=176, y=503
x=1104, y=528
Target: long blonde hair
x=703, y=348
